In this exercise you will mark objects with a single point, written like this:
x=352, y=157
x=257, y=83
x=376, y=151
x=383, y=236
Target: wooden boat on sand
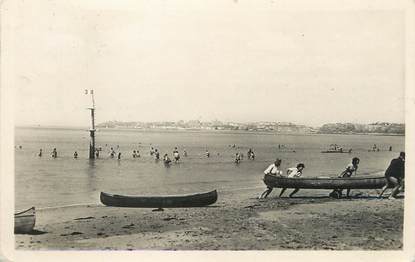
x=192, y=200
x=24, y=221
x=362, y=182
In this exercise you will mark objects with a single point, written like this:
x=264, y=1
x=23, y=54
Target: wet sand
x=237, y=221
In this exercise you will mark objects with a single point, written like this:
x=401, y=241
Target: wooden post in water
x=92, y=130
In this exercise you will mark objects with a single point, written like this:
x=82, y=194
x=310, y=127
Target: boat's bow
x=24, y=221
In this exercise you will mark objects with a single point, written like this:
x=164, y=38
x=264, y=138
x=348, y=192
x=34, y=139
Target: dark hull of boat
x=24, y=221
x=334, y=152
x=325, y=183
x=193, y=200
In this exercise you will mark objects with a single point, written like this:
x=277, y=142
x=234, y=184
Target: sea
x=47, y=182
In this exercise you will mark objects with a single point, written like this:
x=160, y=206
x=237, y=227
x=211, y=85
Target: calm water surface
x=47, y=182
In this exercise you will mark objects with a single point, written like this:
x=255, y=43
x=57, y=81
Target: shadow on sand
x=33, y=232
x=343, y=197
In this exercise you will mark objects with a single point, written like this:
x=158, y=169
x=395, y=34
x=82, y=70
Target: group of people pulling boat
x=274, y=170
x=394, y=178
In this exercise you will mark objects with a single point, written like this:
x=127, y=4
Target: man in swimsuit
x=54, y=153
x=176, y=155
x=156, y=154
x=294, y=172
x=273, y=169
x=348, y=172
x=237, y=158
x=166, y=159
x=112, y=153
x=395, y=175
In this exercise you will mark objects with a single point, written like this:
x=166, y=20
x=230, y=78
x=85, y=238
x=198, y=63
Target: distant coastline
x=244, y=131
x=378, y=128
x=284, y=128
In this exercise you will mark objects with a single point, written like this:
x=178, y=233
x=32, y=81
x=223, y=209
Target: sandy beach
x=70, y=216
x=237, y=221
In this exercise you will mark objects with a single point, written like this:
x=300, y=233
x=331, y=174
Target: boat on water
x=337, y=151
x=24, y=221
x=172, y=201
x=335, y=148
x=362, y=182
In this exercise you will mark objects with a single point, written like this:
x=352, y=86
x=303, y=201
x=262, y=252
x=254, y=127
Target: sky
x=226, y=60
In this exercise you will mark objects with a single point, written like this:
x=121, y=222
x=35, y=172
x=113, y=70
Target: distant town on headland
x=274, y=127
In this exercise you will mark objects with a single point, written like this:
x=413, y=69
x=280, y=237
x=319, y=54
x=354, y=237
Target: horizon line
x=237, y=122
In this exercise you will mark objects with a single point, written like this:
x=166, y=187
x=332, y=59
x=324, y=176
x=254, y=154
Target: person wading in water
x=54, y=153
x=176, y=155
x=166, y=160
x=112, y=153
x=237, y=158
x=156, y=155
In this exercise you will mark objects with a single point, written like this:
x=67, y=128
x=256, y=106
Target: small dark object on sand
x=169, y=218
x=335, y=194
x=158, y=209
x=71, y=234
x=84, y=218
x=252, y=206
